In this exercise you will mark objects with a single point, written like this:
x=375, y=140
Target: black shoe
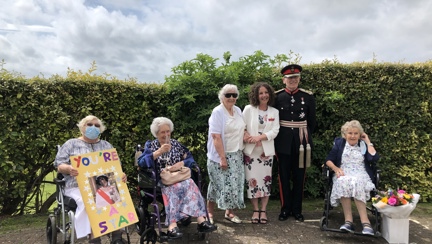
x=174, y=233
x=186, y=221
x=205, y=226
x=283, y=216
x=299, y=217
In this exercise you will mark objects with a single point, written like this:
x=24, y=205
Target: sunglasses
x=90, y=124
x=228, y=95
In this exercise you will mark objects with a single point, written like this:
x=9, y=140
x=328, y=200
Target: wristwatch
x=370, y=144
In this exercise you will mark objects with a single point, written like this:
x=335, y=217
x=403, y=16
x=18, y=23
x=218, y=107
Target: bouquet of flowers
x=396, y=205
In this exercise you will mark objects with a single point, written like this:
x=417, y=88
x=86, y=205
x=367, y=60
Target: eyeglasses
x=228, y=95
x=91, y=124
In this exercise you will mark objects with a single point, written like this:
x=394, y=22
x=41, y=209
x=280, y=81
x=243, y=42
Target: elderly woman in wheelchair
x=182, y=199
x=90, y=127
x=351, y=160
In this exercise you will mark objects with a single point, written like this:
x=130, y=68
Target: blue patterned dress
x=183, y=198
x=356, y=181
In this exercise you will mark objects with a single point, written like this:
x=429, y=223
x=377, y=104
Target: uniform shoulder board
x=306, y=91
x=279, y=91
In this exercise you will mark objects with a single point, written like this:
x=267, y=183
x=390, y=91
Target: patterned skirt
x=226, y=186
x=181, y=200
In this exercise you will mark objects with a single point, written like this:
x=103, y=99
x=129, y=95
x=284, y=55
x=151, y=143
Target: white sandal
x=234, y=219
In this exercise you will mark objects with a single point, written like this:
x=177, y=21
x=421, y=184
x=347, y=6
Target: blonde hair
x=83, y=123
x=349, y=125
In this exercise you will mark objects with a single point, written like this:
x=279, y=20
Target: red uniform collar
x=291, y=92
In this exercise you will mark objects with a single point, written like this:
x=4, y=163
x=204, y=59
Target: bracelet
x=370, y=144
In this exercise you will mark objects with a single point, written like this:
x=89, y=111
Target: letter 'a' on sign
x=106, y=198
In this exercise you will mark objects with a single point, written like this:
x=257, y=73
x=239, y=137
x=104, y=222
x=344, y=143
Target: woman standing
x=225, y=156
x=262, y=126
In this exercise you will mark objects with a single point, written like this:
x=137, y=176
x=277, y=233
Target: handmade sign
x=106, y=198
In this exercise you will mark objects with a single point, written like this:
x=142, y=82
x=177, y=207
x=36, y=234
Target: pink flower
x=253, y=183
x=392, y=201
x=401, y=191
x=247, y=160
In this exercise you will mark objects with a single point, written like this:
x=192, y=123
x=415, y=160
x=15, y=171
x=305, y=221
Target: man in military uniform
x=294, y=142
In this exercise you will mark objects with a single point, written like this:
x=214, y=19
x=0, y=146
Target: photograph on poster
x=105, y=190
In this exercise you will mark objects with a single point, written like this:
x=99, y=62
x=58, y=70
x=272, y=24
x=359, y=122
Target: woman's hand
x=365, y=138
x=224, y=164
x=68, y=170
x=339, y=172
x=124, y=178
x=165, y=148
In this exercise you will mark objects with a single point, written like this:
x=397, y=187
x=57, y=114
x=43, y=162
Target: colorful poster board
x=106, y=198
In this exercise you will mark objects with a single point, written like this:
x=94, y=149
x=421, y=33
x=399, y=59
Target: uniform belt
x=293, y=124
x=302, y=126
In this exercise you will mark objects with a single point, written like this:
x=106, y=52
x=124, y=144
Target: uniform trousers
x=289, y=172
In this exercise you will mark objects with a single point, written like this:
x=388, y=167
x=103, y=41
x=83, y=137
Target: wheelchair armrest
x=60, y=182
x=146, y=170
x=195, y=167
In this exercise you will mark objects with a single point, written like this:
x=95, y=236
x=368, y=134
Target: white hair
x=157, y=122
x=225, y=89
x=350, y=125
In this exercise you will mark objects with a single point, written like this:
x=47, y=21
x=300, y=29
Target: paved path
x=275, y=231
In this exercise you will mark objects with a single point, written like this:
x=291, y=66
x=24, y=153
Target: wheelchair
x=63, y=219
x=327, y=175
x=150, y=198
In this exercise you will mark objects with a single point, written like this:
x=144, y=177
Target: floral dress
x=258, y=167
x=355, y=182
x=181, y=199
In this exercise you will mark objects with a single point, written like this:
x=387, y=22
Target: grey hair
x=349, y=125
x=157, y=122
x=225, y=89
x=83, y=123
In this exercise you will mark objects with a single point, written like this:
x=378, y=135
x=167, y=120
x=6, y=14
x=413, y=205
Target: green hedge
x=392, y=101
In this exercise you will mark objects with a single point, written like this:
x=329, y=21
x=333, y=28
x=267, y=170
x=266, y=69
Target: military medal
x=292, y=99
x=302, y=100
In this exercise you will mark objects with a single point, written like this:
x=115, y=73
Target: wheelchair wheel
x=141, y=225
x=51, y=230
x=323, y=225
x=149, y=236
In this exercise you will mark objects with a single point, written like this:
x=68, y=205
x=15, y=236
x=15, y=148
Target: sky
x=145, y=39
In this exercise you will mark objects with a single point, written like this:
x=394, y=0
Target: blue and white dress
x=356, y=182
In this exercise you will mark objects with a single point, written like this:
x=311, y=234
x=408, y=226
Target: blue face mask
x=92, y=132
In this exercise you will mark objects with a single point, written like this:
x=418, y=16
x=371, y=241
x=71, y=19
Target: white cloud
x=145, y=39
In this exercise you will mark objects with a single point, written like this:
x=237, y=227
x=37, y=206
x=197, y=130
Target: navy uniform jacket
x=298, y=106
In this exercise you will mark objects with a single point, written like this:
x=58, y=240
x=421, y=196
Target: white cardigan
x=250, y=116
